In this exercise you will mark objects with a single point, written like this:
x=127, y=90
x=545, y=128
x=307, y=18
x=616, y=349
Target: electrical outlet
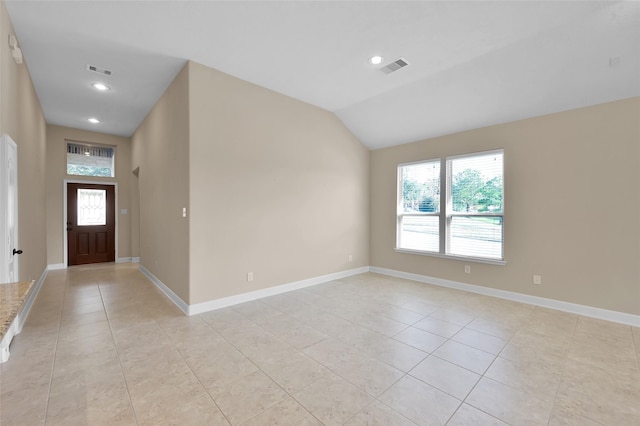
x=249, y=276
x=350, y=258
x=537, y=279
x=467, y=269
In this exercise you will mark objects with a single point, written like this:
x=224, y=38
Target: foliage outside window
x=453, y=206
x=90, y=160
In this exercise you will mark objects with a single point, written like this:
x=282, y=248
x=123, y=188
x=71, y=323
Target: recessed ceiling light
x=100, y=86
x=375, y=60
x=93, y=120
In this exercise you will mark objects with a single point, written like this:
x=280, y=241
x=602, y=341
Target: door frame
x=6, y=144
x=64, y=214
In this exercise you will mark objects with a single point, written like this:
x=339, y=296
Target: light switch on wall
x=123, y=211
x=184, y=212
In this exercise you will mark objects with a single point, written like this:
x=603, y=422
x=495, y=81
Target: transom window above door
x=90, y=160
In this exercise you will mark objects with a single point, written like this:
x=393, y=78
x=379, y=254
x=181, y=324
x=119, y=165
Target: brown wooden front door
x=91, y=223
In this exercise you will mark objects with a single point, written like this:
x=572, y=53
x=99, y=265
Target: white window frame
x=446, y=213
x=400, y=207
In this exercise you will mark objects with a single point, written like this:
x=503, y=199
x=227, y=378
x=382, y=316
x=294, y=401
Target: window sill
x=453, y=257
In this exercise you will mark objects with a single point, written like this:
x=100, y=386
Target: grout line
x=204, y=388
x=329, y=368
x=115, y=345
x=565, y=360
x=260, y=369
x=55, y=351
x=482, y=376
x=254, y=318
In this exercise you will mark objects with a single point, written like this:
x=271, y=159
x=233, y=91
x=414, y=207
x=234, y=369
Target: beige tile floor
x=102, y=346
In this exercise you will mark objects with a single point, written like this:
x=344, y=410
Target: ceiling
x=471, y=64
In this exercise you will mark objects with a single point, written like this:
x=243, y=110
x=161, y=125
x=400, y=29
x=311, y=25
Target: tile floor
x=102, y=346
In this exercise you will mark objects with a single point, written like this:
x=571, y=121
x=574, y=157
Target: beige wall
x=21, y=118
x=273, y=186
x=281, y=189
x=572, y=206
x=160, y=148
x=57, y=137
x=278, y=188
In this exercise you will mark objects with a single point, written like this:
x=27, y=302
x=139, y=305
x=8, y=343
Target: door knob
x=17, y=252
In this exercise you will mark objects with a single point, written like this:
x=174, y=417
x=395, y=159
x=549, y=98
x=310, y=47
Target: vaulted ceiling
x=471, y=63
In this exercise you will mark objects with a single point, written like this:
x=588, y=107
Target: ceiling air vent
x=394, y=66
x=98, y=70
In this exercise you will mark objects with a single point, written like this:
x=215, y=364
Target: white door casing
x=9, y=209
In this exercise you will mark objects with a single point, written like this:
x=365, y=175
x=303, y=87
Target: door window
x=92, y=207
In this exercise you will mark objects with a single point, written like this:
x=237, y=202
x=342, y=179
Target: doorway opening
x=90, y=223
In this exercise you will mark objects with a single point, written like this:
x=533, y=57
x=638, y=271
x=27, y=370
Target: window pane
x=420, y=185
x=420, y=233
x=476, y=236
x=85, y=160
x=476, y=183
x=92, y=207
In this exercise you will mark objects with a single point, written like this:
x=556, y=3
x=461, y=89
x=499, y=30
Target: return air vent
x=98, y=70
x=394, y=66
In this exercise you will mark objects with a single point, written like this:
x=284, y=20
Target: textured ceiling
x=472, y=63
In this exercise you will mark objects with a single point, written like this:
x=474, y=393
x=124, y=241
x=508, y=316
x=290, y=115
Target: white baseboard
x=56, y=266
x=212, y=305
x=184, y=307
x=574, y=308
x=22, y=317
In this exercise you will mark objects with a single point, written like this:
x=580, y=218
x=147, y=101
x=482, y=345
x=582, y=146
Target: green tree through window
x=471, y=193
